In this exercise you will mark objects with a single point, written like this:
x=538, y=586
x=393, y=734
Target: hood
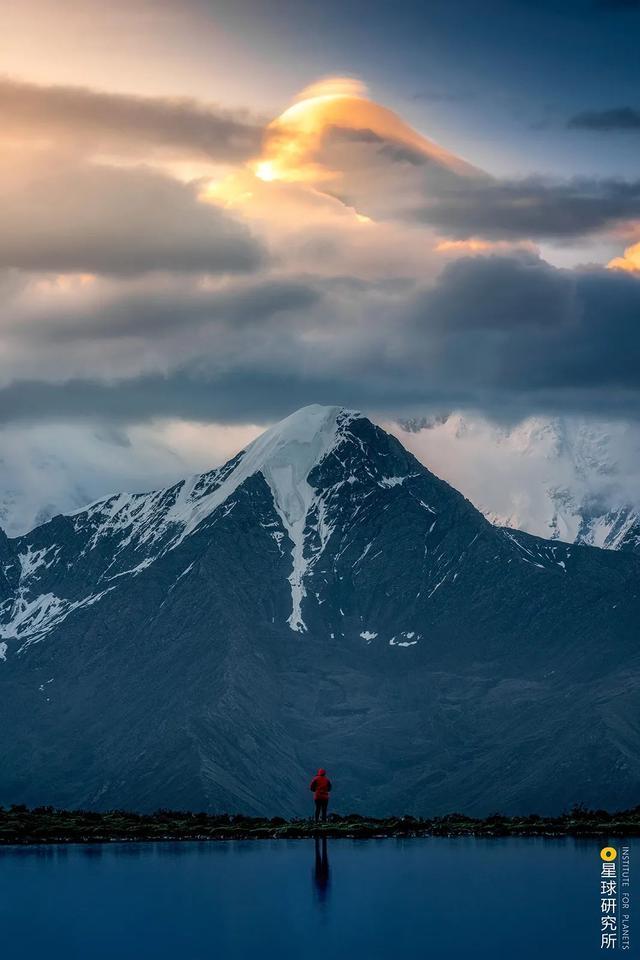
x=321, y=772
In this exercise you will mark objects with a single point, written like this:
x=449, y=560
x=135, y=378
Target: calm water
x=427, y=899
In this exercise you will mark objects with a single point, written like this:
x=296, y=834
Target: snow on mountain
x=564, y=478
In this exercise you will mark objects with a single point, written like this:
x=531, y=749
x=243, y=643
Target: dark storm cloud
x=571, y=333
x=532, y=208
x=107, y=121
x=507, y=335
x=496, y=294
x=233, y=397
x=617, y=119
x=230, y=398
x=97, y=219
x=160, y=311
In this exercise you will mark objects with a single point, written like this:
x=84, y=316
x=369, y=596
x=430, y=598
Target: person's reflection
x=321, y=874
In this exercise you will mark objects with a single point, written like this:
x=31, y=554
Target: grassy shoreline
x=20, y=825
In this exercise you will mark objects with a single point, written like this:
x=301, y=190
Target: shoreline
x=20, y=826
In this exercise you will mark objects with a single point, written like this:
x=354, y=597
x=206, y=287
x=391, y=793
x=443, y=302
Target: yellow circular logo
x=608, y=853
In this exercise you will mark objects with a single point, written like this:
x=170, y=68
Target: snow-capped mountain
x=321, y=598
x=565, y=478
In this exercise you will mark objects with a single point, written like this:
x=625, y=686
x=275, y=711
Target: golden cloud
x=630, y=260
x=294, y=140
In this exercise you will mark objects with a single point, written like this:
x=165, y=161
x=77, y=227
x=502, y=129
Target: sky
x=214, y=213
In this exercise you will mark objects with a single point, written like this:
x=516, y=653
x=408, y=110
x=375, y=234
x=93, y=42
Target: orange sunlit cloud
x=302, y=196
x=294, y=139
x=293, y=154
x=64, y=282
x=477, y=245
x=629, y=261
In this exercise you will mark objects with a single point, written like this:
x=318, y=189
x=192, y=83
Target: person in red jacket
x=321, y=787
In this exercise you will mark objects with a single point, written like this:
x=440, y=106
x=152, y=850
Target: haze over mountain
x=567, y=478
x=44, y=472
x=321, y=598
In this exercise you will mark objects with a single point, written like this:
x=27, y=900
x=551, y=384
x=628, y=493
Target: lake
x=291, y=899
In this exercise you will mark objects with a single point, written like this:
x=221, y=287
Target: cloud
x=73, y=207
x=91, y=120
x=504, y=334
x=76, y=197
x=394, y=181
x=111, y=331
x=94, y=218
x=531, y=208
x=496, y=294
x=168, y=309
x=619, y=118
x=361, y=153
x=543, y=475
x=520, y=328
x=630, y=260
x=330, y=307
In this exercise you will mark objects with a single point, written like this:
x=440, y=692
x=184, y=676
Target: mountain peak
x=303, y=438
x=284, y=454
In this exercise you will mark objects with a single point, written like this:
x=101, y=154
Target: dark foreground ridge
x=18, y=824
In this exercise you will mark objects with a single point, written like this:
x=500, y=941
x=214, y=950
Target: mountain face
x=322, y=599
x=565, y=478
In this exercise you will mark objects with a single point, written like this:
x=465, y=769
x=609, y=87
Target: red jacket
x=321, y=785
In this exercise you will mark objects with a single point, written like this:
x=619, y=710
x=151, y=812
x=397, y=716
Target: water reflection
x=92, y=851
x=321, y=872
x=459, y=898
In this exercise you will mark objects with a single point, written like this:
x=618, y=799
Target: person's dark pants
x=321, y=808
